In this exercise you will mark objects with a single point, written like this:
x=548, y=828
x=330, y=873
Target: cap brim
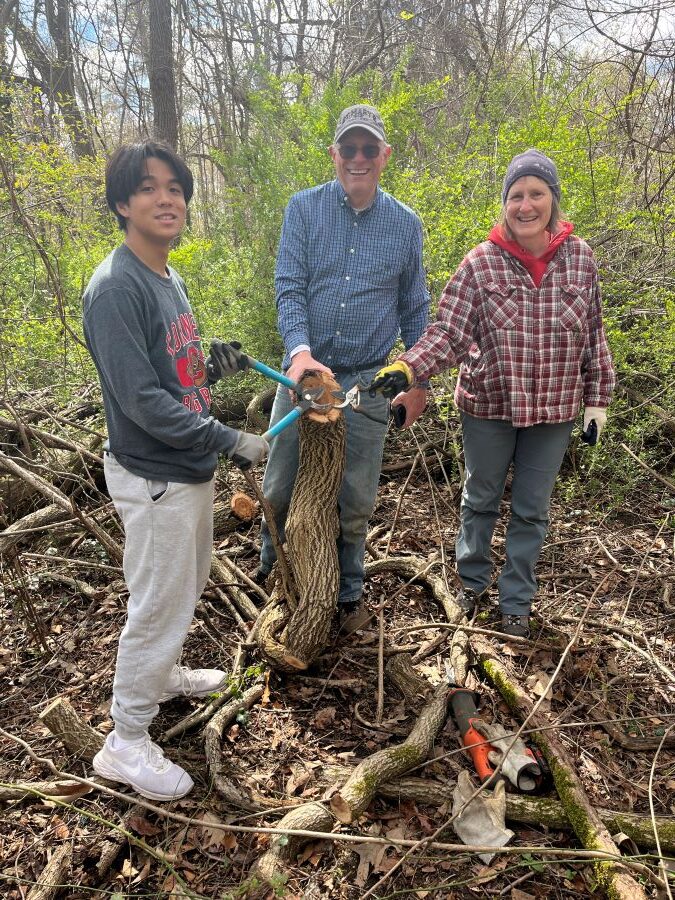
x=352, y=125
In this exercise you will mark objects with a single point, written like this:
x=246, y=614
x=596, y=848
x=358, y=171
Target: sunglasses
x=349, y=151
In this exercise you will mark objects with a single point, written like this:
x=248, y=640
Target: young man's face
x=359, y=174
x=155, y=213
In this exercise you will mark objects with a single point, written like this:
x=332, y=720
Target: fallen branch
x=668, y=483
x=54, y=873
x=213, y=747
x=588, y=826
x=165, y=813
x=56, y=496
x=35, y=521
x=222, y=575
x=354, y=797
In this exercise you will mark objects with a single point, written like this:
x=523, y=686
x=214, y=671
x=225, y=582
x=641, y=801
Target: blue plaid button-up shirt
x=348, y=283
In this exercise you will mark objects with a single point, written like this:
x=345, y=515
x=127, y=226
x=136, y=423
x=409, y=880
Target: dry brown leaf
x=141, y=825
x=325, y=717
x=207, y=835
x=128, y=869
x=521, y=895
x=539, y=684
x=370, y=856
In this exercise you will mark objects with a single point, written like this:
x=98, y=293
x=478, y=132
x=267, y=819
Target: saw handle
x=477, y=746
x=464, y=710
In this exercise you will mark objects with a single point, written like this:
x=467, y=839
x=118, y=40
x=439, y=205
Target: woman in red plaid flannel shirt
x=522, y=318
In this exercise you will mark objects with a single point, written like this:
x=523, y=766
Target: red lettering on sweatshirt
x=182, y=332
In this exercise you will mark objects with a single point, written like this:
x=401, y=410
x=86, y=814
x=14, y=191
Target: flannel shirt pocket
x=502, y=306
x=574, y=307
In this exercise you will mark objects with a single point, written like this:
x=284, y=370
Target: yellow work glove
x=392, y=379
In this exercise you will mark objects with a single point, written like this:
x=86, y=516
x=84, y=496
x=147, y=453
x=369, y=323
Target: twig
x=401, y=495
x=165, y=813
x=640, y=567
x=379, y=713
x=652, y=769
x=668, y=483
x=286, y=574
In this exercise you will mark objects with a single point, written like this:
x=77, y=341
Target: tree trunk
x=161, y=74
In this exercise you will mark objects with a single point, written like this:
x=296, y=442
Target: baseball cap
x=360, y=116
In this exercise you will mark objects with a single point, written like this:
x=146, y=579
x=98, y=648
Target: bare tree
x=161, y=72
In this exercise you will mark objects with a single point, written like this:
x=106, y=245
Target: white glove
x=249, y=450
x=598, y=413
x=481, y=822
x=518, y=765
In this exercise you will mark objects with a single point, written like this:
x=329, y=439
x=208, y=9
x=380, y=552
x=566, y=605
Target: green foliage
x=451, y=145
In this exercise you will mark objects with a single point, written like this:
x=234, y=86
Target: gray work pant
x=167, y=557
x=491, y=446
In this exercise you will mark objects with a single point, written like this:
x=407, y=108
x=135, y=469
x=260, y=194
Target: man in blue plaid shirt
x=349, y=280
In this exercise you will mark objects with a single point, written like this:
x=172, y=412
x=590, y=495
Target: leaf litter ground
x=285, y=748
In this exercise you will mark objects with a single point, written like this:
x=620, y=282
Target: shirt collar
x=343, y=200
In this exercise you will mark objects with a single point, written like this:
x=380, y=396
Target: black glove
x=249, y=450
x=391, y=380
x=223, y=361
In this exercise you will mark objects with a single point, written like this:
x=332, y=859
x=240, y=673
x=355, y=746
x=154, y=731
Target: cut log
x=293, y=639
x=614, y=879
x=227, y=517
x=76, y=736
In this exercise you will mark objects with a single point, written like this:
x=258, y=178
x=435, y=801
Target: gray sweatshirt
x=143, y=337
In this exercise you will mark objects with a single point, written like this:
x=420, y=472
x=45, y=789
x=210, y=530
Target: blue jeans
x=365, y=444
x=490, y=447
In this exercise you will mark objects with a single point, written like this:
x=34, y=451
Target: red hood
x=535, y=265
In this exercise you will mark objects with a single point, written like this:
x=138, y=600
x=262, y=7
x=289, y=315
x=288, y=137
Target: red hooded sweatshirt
x=535, y=265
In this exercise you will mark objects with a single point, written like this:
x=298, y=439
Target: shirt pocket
x=573, y=307
x=502, y=305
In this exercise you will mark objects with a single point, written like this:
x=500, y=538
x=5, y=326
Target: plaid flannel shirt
x=348, y=283
x=528, y=355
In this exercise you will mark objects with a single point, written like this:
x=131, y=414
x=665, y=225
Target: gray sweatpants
x=491, y=446
x=167, y=557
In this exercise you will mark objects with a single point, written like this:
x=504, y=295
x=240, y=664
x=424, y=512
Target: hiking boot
x=352, y=615
x=184, y=682
x=143, y=766
x=516, y=626
x=260, y=576
x=468, y=600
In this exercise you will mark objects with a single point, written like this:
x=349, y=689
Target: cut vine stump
x=292, y=638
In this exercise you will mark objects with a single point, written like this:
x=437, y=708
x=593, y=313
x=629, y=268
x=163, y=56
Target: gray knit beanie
x=531, y=162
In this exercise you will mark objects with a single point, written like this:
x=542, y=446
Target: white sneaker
x=143, y=767
x=184, y=682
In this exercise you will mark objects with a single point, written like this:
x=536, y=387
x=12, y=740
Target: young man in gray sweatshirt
x=160, y=456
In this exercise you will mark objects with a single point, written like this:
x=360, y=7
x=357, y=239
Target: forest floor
x=614, y=567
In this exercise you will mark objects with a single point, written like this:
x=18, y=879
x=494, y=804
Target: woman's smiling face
x=528, y=210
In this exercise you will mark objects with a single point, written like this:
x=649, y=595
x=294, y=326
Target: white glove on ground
x=481, y=822
x=517, y=765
